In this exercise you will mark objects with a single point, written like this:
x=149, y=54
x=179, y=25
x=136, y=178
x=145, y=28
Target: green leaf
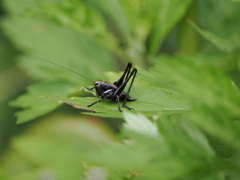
x=224, y=45
x=152, y=96
x=35, y=106
x=51, y=30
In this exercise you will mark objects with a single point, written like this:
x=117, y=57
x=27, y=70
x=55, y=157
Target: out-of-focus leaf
x=140, y=124
x=53, y=150
x=34, y=106
x=183, y=148
x=225, y=27
x=224, y=45
x=211, y=90
x=96, y=172
x=165, y=15
x=114, y=15
x=234, y=0
x=68, y=48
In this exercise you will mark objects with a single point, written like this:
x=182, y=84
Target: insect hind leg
x=131, y=99
x=127, y=97
x=128, y=107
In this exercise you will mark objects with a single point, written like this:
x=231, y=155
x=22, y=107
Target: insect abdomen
x=123, y=96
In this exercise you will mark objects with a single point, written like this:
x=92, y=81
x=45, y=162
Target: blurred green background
x=190, y=94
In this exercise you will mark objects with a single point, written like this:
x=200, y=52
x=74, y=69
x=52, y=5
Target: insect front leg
x=119, y=104
x=97, y=101
x=89, y=88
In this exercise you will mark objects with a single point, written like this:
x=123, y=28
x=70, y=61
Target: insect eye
x=96, y=83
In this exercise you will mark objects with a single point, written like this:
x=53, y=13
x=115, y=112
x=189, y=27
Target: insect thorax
x=104, y=88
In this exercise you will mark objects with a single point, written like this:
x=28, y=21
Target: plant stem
x=188, y=39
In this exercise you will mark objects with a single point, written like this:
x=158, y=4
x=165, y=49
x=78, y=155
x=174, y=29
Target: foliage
x=186, y=119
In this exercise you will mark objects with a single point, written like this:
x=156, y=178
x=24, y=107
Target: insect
x=108, y=91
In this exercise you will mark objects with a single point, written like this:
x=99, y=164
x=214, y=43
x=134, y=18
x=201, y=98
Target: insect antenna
x=64, y=68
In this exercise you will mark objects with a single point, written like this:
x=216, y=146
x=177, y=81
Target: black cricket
x=113, y=92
